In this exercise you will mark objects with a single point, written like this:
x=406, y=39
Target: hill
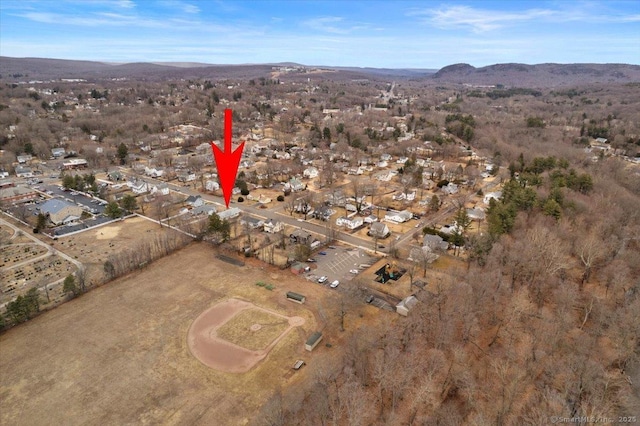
x=511, y=74
x=541, y=75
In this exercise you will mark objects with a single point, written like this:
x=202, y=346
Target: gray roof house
x=434, y=242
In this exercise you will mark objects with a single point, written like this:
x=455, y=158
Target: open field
x=119, y=354
x=94, y=246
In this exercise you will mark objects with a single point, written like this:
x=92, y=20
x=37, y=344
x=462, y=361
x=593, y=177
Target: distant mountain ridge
x=508, y=74
x=540, y=75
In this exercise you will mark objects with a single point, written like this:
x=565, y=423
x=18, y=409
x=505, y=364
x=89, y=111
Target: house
x=449, y=229
x=115, y=176
x=370, y=219
x=378, y=230
x=476, y=214
x=153, y=172
x=22, y=159
x=74, y=163
x=60, y=211
x=450, y=188
x=310, y=172
x=385, y=157
x=301, y=237
x=57, y=152
x=162, y=188
x=252, y=222
x=385, y=175
x=212, y=185
x=350, y=223
x=273, y=226
x=489, y=195
x=23, y=172
x=187, y=177
x=194, y=200
x=207, y=209
x=336, y=198
x=322, y=213
x=398, y=217
x=434, y=242
x=11, y=194
x=229, y=213
x=138, y=187
x=295, y=185
x=406, y=305
x=313, y=341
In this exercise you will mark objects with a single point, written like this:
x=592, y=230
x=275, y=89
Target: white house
x=370, y=219
x=138, y=187
x=252, y=222
x=194, y=200
x=212, y=185
x=153, y=172
x=350, y=223
x=489, y=195
x=162, y=189
x=207, y=209
x=450, y=188
x=229, y=213
x=398, y=217
x=310, y=172
x=23, y=172
x=273, y=226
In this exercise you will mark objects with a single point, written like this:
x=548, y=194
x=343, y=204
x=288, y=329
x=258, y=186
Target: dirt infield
x=213, y=350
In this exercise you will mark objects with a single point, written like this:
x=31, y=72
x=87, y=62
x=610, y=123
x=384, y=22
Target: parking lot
x=339, y=263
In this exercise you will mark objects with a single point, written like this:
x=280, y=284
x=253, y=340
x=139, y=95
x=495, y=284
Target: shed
x=313, y=341
x=406, y=305
x=296, y=297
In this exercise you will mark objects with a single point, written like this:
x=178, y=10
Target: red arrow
x=227, y=161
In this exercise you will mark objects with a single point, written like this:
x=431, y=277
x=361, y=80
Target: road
x=268, y=213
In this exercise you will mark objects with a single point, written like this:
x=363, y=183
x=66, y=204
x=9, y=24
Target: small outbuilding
x=406, y=305
x=313, y=341
x=296, y=297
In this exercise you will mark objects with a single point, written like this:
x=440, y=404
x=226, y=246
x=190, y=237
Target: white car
x=323, y=279
x=354, y=271
x=334, y=284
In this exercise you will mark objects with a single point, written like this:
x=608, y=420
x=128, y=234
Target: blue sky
x=376, y=33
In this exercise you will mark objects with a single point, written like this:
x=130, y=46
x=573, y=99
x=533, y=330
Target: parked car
x=354, y=271
x=311, y=260
x=334, y=284
x=369, y=298
x=323, y=279
x=324, y=253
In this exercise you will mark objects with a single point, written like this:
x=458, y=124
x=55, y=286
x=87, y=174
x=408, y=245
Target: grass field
x=266, y=327
x=119, y=354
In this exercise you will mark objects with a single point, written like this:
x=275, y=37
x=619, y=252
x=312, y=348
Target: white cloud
x=478, y=20
x=486, y=20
